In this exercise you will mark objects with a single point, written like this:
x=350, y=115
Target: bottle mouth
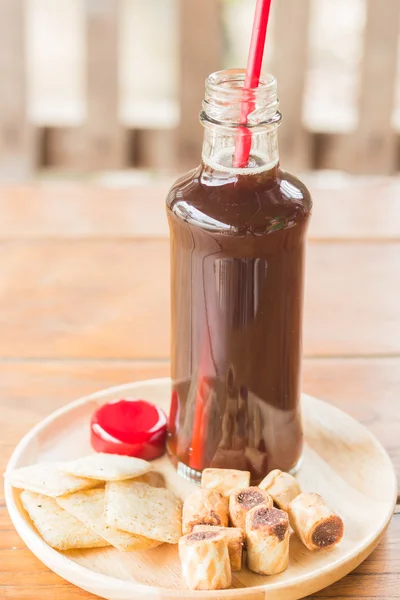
x=229, y=84
x=226, y=94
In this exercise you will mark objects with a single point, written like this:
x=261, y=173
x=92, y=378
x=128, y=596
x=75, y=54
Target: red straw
x=252, y=79
x=200, y=416
x=199, y=424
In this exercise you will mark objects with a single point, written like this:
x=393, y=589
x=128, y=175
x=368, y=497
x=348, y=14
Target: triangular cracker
x=88, y=507
x=155, y=513
x=58, y=528
x=49, y=479
x=107, y=467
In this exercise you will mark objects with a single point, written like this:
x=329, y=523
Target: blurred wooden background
x=109, y=84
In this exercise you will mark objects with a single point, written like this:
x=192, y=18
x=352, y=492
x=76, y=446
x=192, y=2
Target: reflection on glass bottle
x=239, y=283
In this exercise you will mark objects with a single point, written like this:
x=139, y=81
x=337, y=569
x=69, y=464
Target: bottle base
x=195, y=476
x=297, y=466
x=188, y=473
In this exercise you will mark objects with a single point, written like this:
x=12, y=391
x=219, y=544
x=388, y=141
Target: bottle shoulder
x=182, y=189
x=228, y=202
x=293, y=187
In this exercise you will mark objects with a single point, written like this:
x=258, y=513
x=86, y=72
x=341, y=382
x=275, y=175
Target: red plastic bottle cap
x=132, y=427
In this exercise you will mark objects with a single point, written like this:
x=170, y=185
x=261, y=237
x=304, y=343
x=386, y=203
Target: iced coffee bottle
x=237, y=270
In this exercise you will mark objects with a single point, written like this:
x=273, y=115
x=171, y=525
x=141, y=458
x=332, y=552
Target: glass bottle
x=237, y=269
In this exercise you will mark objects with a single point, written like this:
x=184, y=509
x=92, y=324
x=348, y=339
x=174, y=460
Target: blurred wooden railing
x=104, y=143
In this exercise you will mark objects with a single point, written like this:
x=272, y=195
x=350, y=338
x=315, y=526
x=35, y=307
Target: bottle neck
x=219, y=148
x=231, y=111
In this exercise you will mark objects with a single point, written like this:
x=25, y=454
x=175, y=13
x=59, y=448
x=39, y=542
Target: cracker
x=88, y=507
x=225, y=481
x=152, y=478
x=155, y=513
x=58, y=528
x=107, y=467
x=49, y=479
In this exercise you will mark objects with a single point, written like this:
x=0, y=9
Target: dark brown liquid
x=237, y=254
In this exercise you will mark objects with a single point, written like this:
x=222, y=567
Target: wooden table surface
x=85, y=305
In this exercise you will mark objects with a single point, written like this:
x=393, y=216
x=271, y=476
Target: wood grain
x=101, y=142
x=17, y=136
x=356, y=208
x=365, y=208
x=110, y=299
x=198, y=56
x=373, y=146
x=84, y=298
x=289, y=66
x=76, y=211
x=348, y=307
x=104, y=137
x=367, y=389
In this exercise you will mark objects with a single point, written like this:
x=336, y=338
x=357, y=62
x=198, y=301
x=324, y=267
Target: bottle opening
x=225, y=94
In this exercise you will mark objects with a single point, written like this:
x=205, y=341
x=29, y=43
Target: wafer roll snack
x=283, y=488
x=314, y=522
x=241, y=501
x=267, y=534
x=234, y=538
x=205, y=561
x=204, y=507
x=225, y=481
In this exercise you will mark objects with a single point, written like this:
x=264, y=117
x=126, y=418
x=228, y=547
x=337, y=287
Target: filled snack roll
x=225, y=481
x=205, y=561
x=204, y=507
x=283, y=488
x=314, y=522
x=267, y=535
x=242, y=501
x=234, y=538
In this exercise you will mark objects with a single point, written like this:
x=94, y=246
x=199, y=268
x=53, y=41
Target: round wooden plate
x=342, y=461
